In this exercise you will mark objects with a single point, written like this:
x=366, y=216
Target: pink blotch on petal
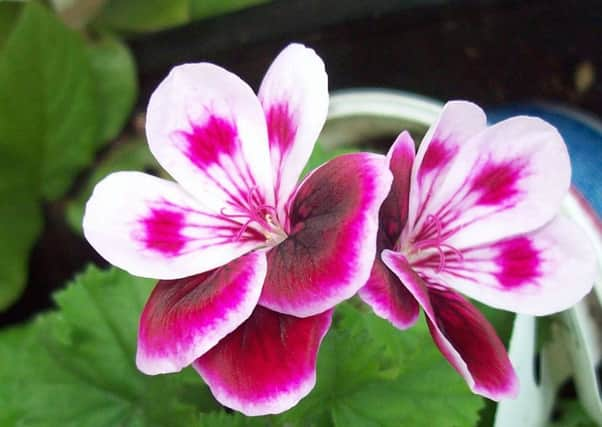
x=436, y=156
x=266, y=365
x=497, y=183
x=281, y=128
x=205, y=144
x=519, y=262
x=162, y=231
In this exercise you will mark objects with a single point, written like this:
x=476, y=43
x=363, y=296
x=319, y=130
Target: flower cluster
x=251, y=263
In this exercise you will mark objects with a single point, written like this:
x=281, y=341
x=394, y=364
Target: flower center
x=258, y=217
x=422, y=248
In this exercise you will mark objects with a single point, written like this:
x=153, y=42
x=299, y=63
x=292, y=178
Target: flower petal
x=389, y=298
x=151, y=228
x=184, y=318
x=457, y=123
x=506, y=180
x=331, y=244
x=461, y=333
x=294, y=96
x=266, y=365
x=394, y=210
x=539, y=273
x=206, y=127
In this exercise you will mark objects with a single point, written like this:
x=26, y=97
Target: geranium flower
x=476, y=213
x=250, y=263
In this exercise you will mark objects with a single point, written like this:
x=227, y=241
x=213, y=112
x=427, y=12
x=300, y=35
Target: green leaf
x=131, y=155
x=9, y=13
x=143, y=15
x=47, y=131
x=223, y=419
x=115, y=75
x=75, y=367
x=200, y=9
x=21, y=221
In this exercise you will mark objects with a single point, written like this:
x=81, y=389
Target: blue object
x=583, y=136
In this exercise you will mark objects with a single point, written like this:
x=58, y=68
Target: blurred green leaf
x=200, y=9
x=75, y=367
x=570, y=413
x=9, y=13
x=77, y=13
x=131, y=155
x=114, y=71
x=47, y=131
x=21, y=221
x=235, y=419
x=152, y=15
x=47, y=105
x=143, y=15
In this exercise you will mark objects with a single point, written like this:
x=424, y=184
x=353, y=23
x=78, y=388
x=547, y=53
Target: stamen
x=256, y=211
x=437, y=243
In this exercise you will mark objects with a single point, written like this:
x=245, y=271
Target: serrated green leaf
x=76, y=367
x=143, y=15
x=131, y=155
x=47, y=131
x=115, y=75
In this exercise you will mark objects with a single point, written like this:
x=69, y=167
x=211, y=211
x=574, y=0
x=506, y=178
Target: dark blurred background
x=490, y=52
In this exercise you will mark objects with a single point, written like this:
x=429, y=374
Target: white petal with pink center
x=151, y=228
x=294, y=96
x=206, y=127
x=508, y=179
x=537, y=273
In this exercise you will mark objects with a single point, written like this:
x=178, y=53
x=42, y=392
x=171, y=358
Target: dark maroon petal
x=458, y=323
x=394, y=211
x=266, y=365
x=389, y=298
x=462, y=334
x=184, y=318
x=331, y=245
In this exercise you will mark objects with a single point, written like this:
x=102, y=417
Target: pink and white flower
x=474, y=211
x=250, y=263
